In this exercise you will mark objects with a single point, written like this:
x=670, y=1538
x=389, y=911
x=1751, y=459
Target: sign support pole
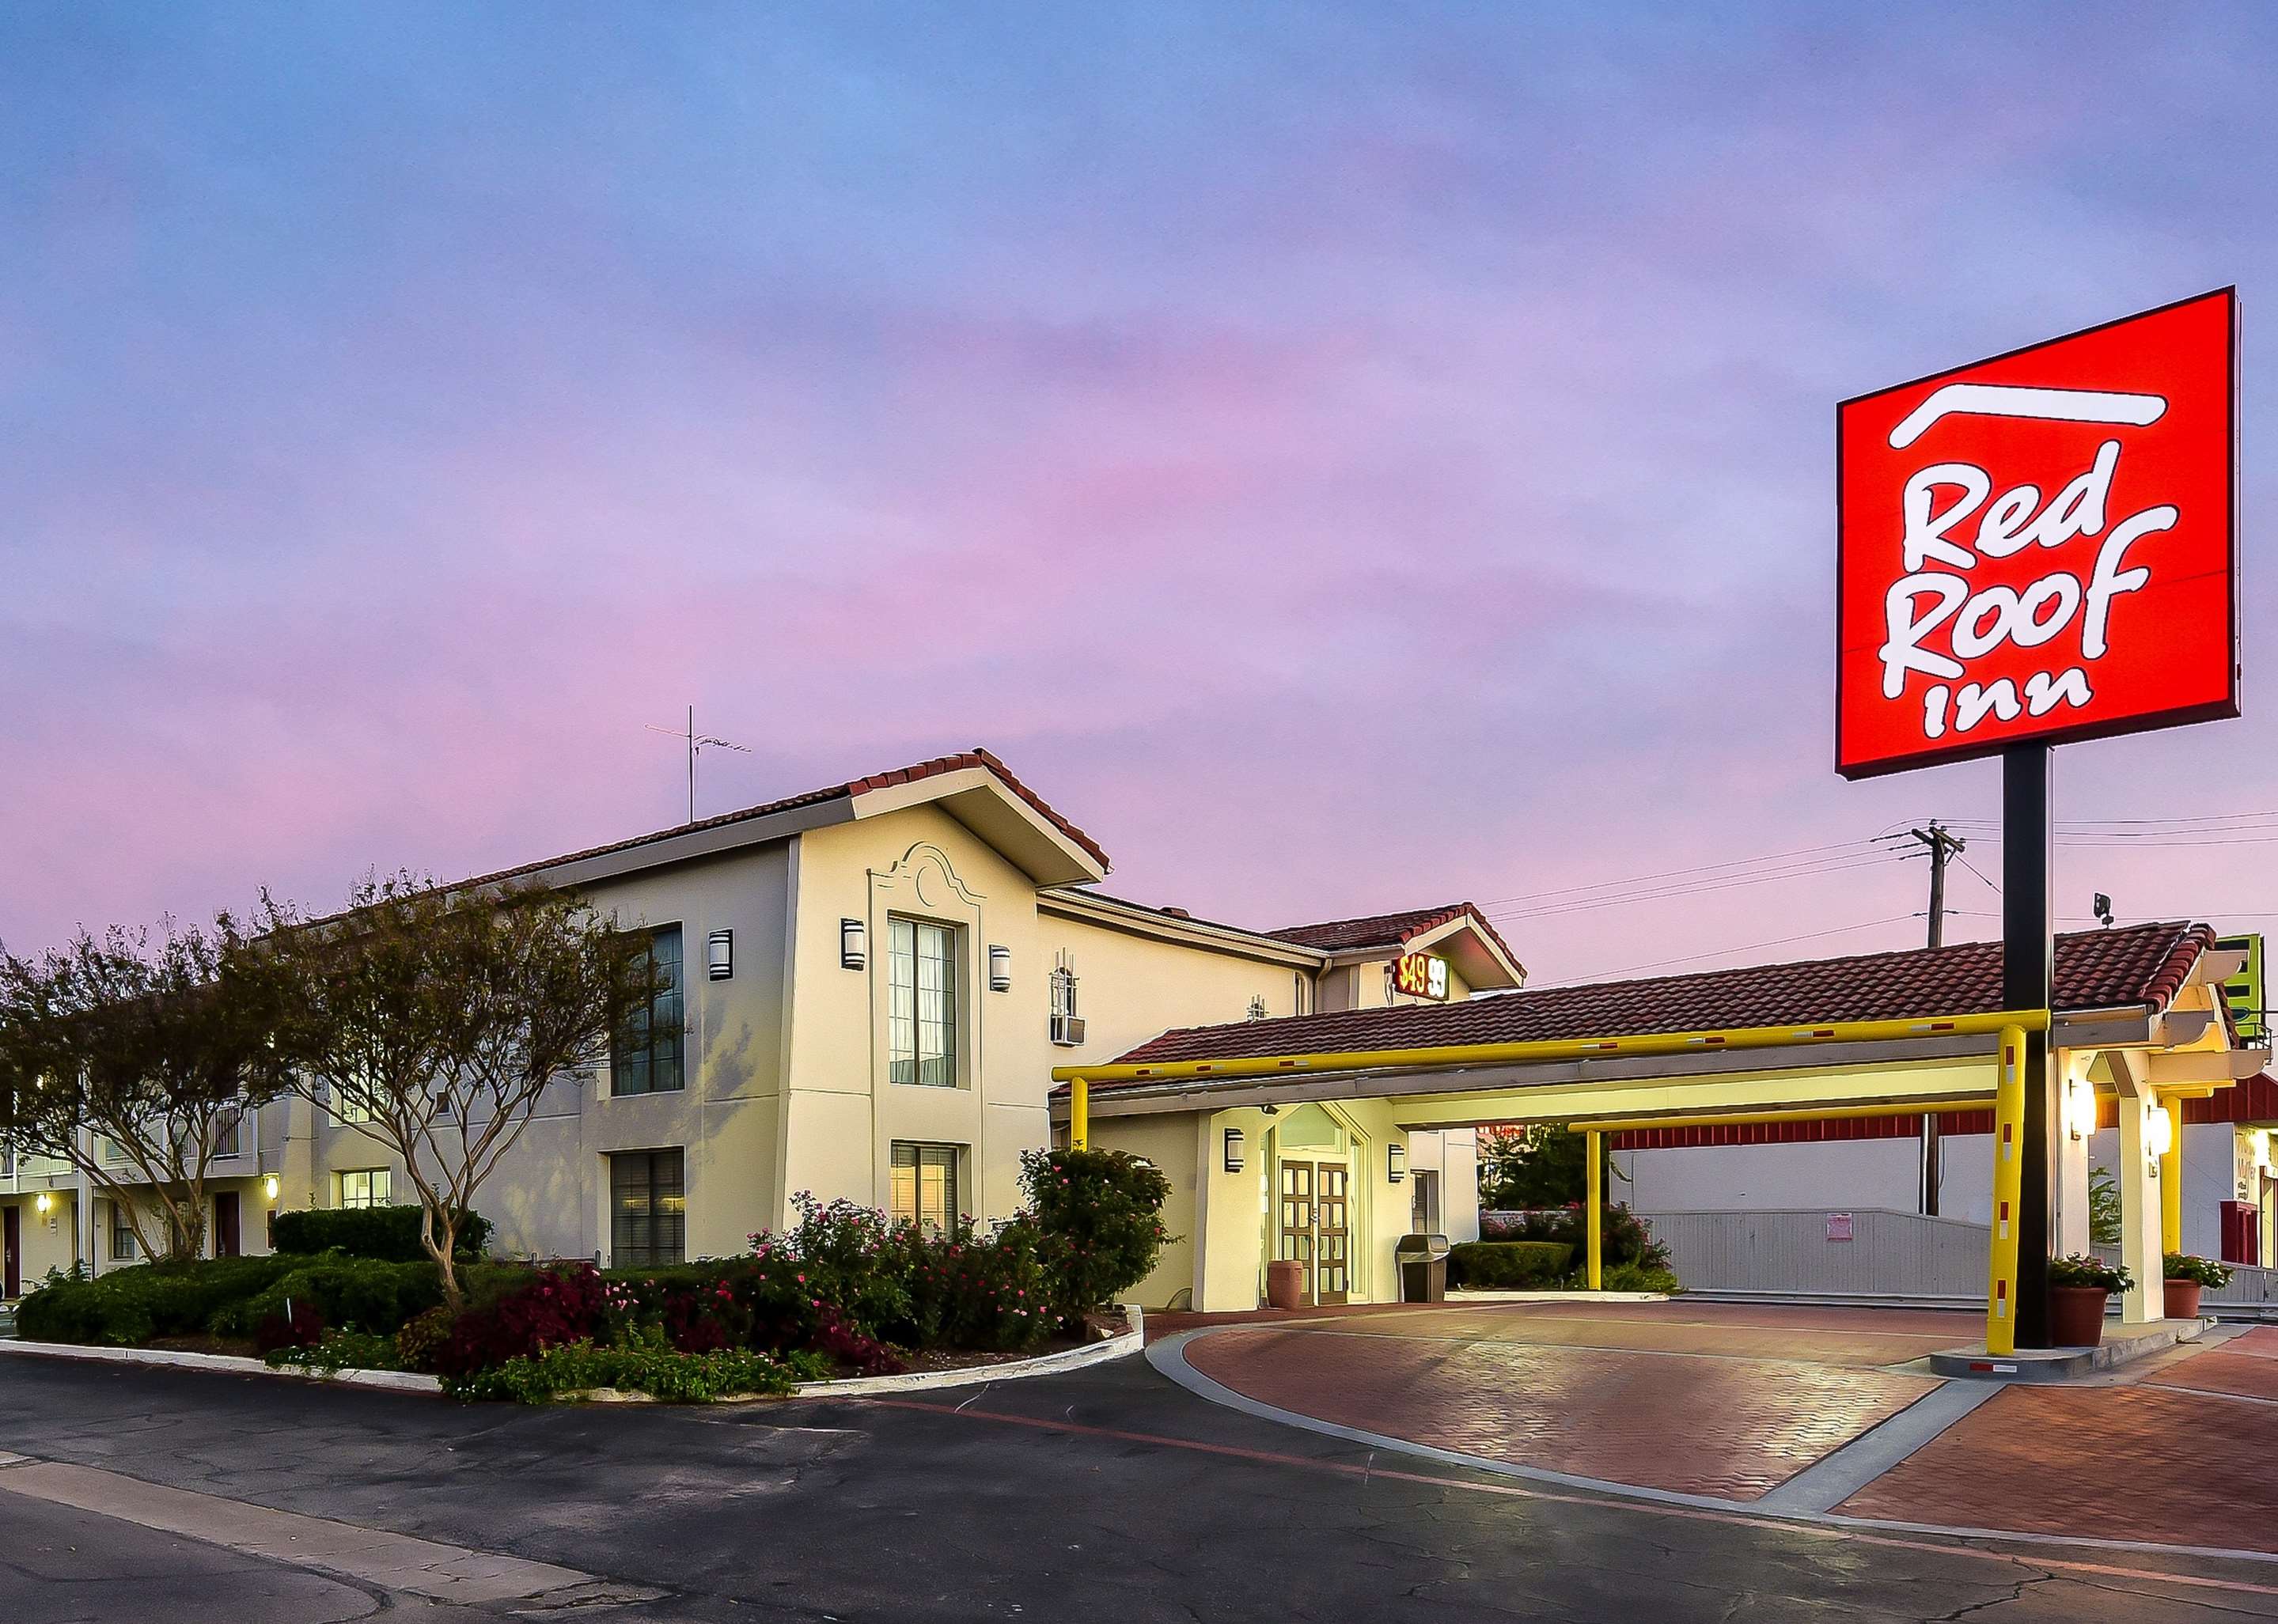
x=2028, y=977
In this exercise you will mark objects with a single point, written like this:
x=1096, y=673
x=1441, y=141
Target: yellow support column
x=1596, y=1182
x=1079, y=1114
x=2009, y=1185
x=2171, y=1181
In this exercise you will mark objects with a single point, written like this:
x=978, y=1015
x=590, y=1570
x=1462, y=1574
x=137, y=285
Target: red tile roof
x=1388, y=930
x=2104, y=969
x=814, y=797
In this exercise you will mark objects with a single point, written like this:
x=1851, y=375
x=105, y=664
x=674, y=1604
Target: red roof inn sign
x=2042, y=546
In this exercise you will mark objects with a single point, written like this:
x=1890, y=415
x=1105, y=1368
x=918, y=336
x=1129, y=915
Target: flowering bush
x=555, y=1307
x=1098, y=1222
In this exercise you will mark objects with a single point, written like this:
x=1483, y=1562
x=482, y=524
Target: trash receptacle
x=1423, y=1260
x=1285, y=1284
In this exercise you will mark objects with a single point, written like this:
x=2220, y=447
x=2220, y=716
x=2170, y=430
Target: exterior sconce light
x=1000, y=968
x=1233, y=1150
x=720, y=955
x=1396, y=1163
x=2158, y=1130
x=43, y=1202
x=269, y=1187
x=853, y=947
x=2079, y=1108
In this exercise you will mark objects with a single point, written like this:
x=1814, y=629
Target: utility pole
x=1941, y=843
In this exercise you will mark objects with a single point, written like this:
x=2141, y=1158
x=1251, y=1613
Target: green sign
x=2243, y=991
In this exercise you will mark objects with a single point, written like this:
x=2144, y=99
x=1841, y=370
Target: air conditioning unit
x=1067, y=1030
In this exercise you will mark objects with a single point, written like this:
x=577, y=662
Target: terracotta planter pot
x=2076, y=1315
x=1285, y=1284
x=2183, y=1299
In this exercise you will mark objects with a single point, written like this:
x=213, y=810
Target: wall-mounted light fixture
x=43, y=1202
x=2079, y=1108
x=269, y=1187
x=1233, y=1150
x=2158, y=1130
x=720, y=955
x=1396, y=1163
x=1000, y=968
x=853, y=945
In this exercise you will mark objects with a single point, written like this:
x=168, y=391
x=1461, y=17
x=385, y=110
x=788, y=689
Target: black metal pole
x=2028, y=977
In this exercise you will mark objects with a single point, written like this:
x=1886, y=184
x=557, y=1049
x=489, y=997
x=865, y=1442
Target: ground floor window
x=368, y=1188
x=648, y=1209
x=925, y=1185
x=122, y=1234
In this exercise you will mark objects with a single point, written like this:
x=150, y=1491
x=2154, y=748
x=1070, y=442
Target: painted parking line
x=1850, y=1529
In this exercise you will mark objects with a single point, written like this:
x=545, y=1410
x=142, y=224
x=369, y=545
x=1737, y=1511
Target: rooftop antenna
x=696, y=743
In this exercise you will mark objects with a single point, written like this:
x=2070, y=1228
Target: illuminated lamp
x=853, y=948
x=269, y=1187
x=2159, y=1130
x=43, y=1202
x=2079, y=1108
x=1233, y=1150
x=1396, y=1163
x=1000, y=968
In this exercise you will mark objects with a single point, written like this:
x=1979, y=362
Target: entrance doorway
x=1316, y=1228
x=11, y=1253
x=227, y=1239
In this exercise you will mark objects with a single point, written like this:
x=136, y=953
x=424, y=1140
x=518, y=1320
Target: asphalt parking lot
x=1104, y=1492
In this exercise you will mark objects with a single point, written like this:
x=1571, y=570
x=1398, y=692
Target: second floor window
x=646, y=1056
x=921, y=1004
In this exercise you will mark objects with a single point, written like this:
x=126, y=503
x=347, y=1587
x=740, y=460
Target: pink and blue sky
x=1344, y=457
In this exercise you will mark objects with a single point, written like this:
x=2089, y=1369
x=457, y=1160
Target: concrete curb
x=224, y=1364
x=407, y=1381
x=1131, y=1341
x=2064, y=1364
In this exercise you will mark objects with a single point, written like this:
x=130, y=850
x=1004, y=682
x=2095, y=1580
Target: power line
x=1776, y=941
x=1799, y=872
x=1673, y=873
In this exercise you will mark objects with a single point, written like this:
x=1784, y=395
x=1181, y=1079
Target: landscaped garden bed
x=843, y=1292
x=1546, y=1249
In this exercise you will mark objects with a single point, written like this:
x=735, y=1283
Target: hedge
x=349, y=1293
x=390, y=1234
x=1507, y=1265
x=128, y=1307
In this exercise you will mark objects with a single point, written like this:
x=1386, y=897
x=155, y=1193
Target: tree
x=444, y=1016
x=1529, y=1166
x=134, y=1061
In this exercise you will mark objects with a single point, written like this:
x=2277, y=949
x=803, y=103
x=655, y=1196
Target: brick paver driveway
x=2182, y=1455
x=1721, y=1399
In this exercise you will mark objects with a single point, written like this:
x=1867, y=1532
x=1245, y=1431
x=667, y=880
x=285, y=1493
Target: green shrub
x=1098, y=1221
x=1637, y=1278
x=341, y=1350
x=352, y=1294
x=1509, y=1265
x=422, y=1338
x=652, y=1368
x=390, y=1234
x=128, y=1307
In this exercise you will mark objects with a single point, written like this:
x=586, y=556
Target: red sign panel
x=2041, y=546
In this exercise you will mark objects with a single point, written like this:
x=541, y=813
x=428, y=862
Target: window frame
x=378, y=1188
x=624, y=1252
x=924, y=1152
x=622, y=1050
x=907, y=1058
x=123, y=1249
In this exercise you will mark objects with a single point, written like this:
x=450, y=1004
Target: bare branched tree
x=443, y=1017
x=133, y=1059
